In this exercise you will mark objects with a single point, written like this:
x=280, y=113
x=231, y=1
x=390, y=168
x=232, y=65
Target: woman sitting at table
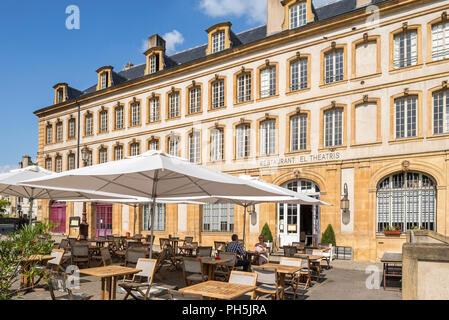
x=261, y=249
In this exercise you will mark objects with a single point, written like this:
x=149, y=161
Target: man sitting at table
x=235, y=247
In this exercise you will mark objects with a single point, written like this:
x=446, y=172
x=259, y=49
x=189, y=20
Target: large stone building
x=353, y=93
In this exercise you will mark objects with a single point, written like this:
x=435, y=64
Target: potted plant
x=268, y=236
x=392, y=231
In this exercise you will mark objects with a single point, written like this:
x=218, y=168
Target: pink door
x=104, y=220
x=58, y=217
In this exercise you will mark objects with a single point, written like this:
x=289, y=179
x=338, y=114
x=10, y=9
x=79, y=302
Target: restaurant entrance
x=299, y=223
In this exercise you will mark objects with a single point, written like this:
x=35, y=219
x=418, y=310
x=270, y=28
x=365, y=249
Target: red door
x=104, y=220
x=57, y=216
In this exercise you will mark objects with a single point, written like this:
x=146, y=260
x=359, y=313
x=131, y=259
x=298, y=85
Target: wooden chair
x=315, y=267
x=55, y=264
x=219, y=246
x=133, y=255
x=204, y=251
x=72, y=241
x=289, y=251
x=223, y=271
x=267, y=282
x=328, y=256
x=106, y=257
x=193, y=271
x=64, y=244
x=59, y=283
x=246, y=278
x=134, y=288
x=294, y=281
x=80, y=255
x=188, y=240
x=164, y=242
x=176, y=295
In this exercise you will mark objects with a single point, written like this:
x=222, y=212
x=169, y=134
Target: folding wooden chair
x=136, y=289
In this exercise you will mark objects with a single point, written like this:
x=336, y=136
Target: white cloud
x=172, y=39
x=7, y=167
x=254, y=10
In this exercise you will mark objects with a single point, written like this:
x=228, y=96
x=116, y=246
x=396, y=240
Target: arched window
x=406, y=200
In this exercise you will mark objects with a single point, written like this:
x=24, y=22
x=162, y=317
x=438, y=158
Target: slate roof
x=331, y=10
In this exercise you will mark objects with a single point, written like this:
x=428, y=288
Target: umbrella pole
x=244, y=224
x=30, y=212
x=153, y=194
x=135, y=216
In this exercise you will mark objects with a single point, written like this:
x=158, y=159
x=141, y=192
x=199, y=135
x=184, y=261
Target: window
x=135, y=149
x=406, y=200
x=267, y=137
x=118, y=152
x=159, y=217
x=154, y=63
x=405, y=49
x=194, y=147
x=218, y=41
x=59, y=132
x=218, y=217
x=119, y=118
x=154, y=110
x=334, y=66
x=243, y=141
x=173, y=105
x=135, y=114
x=49, y=164
x=71, y=160
x=299, y=74
x=89, y=124
x=298, y=132
x=298, y=15
x=268, y=82
x=103, y=155
x=218, y=94
x=72, y=128
x=406, y=117
x=333, y=127
x=60, y=95
x=49, y=134
x=440, y=41
x=153, y=145
x=58, y=164
x=244, y=88
x=104, y=78
x=441, y=112
x=216, y=144
x=195, y=100
x=103, y=121
x=173, y=146
x=89, y=159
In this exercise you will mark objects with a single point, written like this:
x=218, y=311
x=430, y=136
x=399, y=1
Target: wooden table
x=26, y=282
x=282, y=270
x=109, y=275
x=313, y=258
x=219, y=290
x=211, y=263
x=392, y=266
x=183, y=249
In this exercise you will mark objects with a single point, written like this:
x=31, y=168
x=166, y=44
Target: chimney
x=128, y=66
x=156, y=41
x=26, y=162
x=362, y=3
x=275, y=16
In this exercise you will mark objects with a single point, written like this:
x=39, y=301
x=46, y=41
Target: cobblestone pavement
x=346, y=280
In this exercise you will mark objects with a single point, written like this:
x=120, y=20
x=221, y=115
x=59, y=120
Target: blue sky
x=38, y=51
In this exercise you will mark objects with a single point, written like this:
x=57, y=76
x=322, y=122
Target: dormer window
x=60, y=93
x=155, y=54
x=154, y=63
x=104, y=77
x=298, y=15
x=218, y=41
x=219, y=37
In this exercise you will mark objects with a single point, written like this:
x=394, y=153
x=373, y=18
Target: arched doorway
x=406, y=200
x=299, y=223
x=58, y=216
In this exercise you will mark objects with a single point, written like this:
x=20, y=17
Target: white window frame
x=72, y=128
x=153, y=145
x=334, y=66
x=218, y=217
x=244, y=86
x=173, y=146
x=298, y=15
x=135, y=114
x=195, y=100
x=49, y=133
x=333, y=127
x=268, y=82
x=89, y=125
x=159, y=217
x=298, y=132
x=218, y=41
x=103, y=155
x=218, y=95
x=173, y=105
x=243, y=141
x=103, y=121
x=217, y=144
x=405, y=49
x=118, y=150
x=58, y=162
x=135, y=149
x=299, y=77
x=440, y=111
x=267, y=136
x=409, y=125
x=195, y=147
x=440, y=41
x=49, y=164
x=119, y=119
x=154, y=110
x=71, y=162
x=59, y=132
x=104, y=78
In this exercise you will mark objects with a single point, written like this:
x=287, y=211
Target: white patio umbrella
x=285, y=196
x=153, y=175
x=9, y=185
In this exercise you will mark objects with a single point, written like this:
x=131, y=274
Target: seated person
x=261, y=249
x=235, y=247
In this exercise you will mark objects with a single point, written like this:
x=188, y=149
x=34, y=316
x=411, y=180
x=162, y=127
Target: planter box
x=392, y=233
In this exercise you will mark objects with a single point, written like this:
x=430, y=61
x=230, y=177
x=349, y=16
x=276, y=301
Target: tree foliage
x=14, y=251
x=266, y=232
x=329, y=236
x=4, y=203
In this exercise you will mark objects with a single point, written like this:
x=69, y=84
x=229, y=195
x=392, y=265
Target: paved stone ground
x=346, y=280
